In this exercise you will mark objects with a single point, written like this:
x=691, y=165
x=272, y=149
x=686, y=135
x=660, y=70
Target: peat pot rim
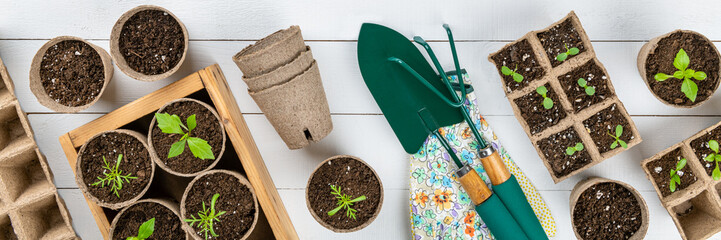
x=79, y=173
x=120, y=60
x=36, y=85
x=157, y=158
x=270, y=52
x=164, y=202
x=328, y=226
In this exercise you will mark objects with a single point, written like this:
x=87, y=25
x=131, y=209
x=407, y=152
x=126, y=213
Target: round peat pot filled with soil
x=219, y=204
x=148, y=43
x=607, y=209
x=149, y=219
x=681, y=68
x=344, y=194
x=187, y=137
x=69, y=74
x=114, y=168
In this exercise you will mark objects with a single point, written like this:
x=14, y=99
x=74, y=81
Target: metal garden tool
x=397, y=75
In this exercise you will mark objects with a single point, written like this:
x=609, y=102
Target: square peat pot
x=209, y=86
x=698, y=216
x=657, y=170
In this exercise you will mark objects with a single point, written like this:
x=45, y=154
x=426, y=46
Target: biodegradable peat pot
x=355, y=178
x=208, y=128
x=168, y=224
x=599, y=203
x=657, y=56
x=149, y=43
x=237, y=199
x=136, y=161
x=69, y=74
x=282, y=74
x=297, y=109
x=271, y=52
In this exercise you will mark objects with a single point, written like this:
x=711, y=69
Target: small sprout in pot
x=590, y=90
x=619, y=131
x=344, y=201
x=113, y=176
x=171, y=124
x=547, y=102
x=508, y=72
x=206, y=218
x=569, y=52
x=714, y=157
x=145, y=230
x=688, y=86
x=571, y=150
x=676, y=174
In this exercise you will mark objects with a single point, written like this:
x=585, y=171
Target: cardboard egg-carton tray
x=30, y=207
x=573, y=113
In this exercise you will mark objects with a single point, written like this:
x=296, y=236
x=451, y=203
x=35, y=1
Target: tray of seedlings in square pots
x=686, y=178
x=564, y=99
x=198, y=117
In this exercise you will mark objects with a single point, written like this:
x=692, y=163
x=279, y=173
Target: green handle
x=513, y=198
x=499, y=220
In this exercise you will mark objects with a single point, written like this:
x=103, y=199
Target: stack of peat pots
x=284, y=80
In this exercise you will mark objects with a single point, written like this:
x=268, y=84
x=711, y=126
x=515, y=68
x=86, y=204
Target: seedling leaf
x=661, y=77
x=344, y=201
x=699, y=75
x=547, y=103
x=681, y=61
x=713, y=145
x=582, y=82
x=517, y=77
x=168, y=124
x=200, y=148
x=573, y=51
x=716, y=173
x=579, y=146
x=590, y=91
x=570, y=151
x=171, y=124
x=206, y=217
x=113, y=176
x=562, y=57
x=191, y=122
x=176, y=149
x=542, y=90
x=506, y=71
x=619, y=130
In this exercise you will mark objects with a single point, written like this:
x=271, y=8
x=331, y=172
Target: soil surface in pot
x=703, y=56
x=537, y=117
x=700, y=147
x=235, y=199
x=72, y=73
x=603, y=124
x=554, y=150
x=661, y=168
x=355, y=179
x=519, y=56
x=152, y=42
x=167, y=224
x=595, y=77
x=208, y=128
x=607, y=211
x=557, y=38
x=136, y=161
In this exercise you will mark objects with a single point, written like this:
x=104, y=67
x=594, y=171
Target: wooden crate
x=209, y=83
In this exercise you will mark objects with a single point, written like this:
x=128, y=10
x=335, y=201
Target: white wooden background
x=218, y=29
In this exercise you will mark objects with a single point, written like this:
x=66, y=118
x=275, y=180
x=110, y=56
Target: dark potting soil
x=703, y=56
x=136, y=161
x=152, y=42
x=208, y=128
x=7, y=231
x=595, y=77
x=660, y=172
x=556, y=39
x=537, y=117
x=519, y=56
x=72, y=73
x=607, y=211
x=603, y=123
x=554, y=150
x=700, y=147
x=235, y=199
x=355, y=179
x=167, y=224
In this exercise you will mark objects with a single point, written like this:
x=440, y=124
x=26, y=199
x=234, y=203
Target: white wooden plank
x=83, y=221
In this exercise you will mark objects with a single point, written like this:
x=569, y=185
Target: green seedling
x=675, y=178
x=206, y=218
x=590, y=90
x=571, y=150
x=344, y=201
x=619, y=131
x=569, y=52
x=688, y=86
x=146, y=229
x=547, y=102
x=714, y=157
x=113, y=176
x=171, y=124
x=508, y=72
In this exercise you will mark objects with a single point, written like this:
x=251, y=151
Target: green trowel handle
x=499, y=220
x=513, y=198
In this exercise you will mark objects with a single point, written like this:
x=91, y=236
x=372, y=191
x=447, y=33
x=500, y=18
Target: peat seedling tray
x=209, y=86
